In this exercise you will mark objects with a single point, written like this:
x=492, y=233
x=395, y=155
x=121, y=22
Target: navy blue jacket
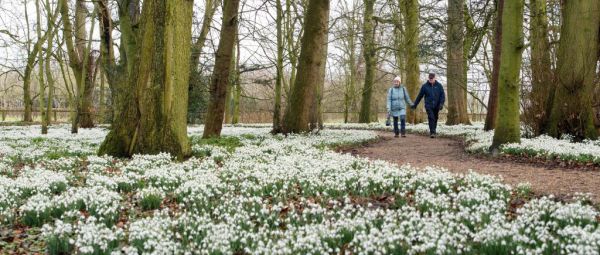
x=434, y=95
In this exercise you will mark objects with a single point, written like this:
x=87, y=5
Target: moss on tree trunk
x=162, y=84
x=369, y=53
x=507, y=122
x=220, y=76
x=542, y=85
x=492, y=106
x=572, y=111
x=296, y=118
x=457, y=97
x=411, y=39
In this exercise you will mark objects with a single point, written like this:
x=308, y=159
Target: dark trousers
x=402, y=124
x=432, y=117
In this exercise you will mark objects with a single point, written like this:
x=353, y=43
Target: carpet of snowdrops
x=479, y=141
x=268, y=195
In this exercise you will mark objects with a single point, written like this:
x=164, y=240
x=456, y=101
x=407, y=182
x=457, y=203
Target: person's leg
x=396, y=131
x=403, y=125
x=436, y=116
x=430, y=121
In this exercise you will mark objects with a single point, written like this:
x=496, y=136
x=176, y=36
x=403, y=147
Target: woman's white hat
x=397, y=78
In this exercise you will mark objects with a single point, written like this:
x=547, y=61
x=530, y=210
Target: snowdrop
x=278, y=195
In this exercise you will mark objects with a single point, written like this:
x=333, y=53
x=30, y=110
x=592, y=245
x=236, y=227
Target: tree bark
x=86, y=119
x=50, y=80
x=237, y=93
x=41, y=81
x=162, y=85
x=316, y=115
x=316, y=18
x=492, y=106
x=508, y=124
x=572, y=111
x=279, y=67
x=220, y=77
x=78, y=53
x=542, y=85
x=120, y=139
x=457, y=97
x=411, y=39
x=369, y=54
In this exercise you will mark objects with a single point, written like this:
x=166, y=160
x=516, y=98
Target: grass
x=230, y=143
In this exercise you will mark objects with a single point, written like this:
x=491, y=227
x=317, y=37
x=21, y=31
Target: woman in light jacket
x=398, y=100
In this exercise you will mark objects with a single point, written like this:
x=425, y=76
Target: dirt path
x=421, y=151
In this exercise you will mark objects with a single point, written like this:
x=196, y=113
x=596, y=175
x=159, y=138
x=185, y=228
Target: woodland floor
x=545, y=177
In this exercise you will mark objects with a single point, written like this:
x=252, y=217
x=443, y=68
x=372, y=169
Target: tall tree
x=492, y=106
x=457, y=97
x=542, y=84
x=162, y=84
x=41, y=81
x=508, y=124
x=119, y=141
x=296, y=118
x=369, y=54
x=150, y=84
x=79, y=60
x=51, y=30
x=351, y=29
x=220, y=77
x=279, y=67
x=572, y=111
x=32, y=57
x=411, y=40
x=237, y=92
x=316, y=111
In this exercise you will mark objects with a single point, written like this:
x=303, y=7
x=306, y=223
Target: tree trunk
x=50, y=80
x=119, y=141
x=457, y=97
x=162, y=85
x=492, y=106
x=86, y=119
x=237, y=93
x=220, y=77
x=572, y=111
x=230, y=87
x=508, y=124
x=316, y=115
x=279, y=67
x=41, y=82
x=411, y=39
x=79, y=53
x=542, y=84
x=370, y=61
x=316, y=18
x=351, y=68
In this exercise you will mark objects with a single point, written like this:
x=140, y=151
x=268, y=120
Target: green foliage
x=58, y=245
x=150, y=202
x=230, y=143
x=524, y=190
x=36, y=218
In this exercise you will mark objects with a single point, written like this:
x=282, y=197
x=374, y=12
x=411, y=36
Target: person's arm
x=389, y=101
x=442, y=97
x=419, y=97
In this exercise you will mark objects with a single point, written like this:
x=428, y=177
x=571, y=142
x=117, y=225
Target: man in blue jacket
x=433, y=92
